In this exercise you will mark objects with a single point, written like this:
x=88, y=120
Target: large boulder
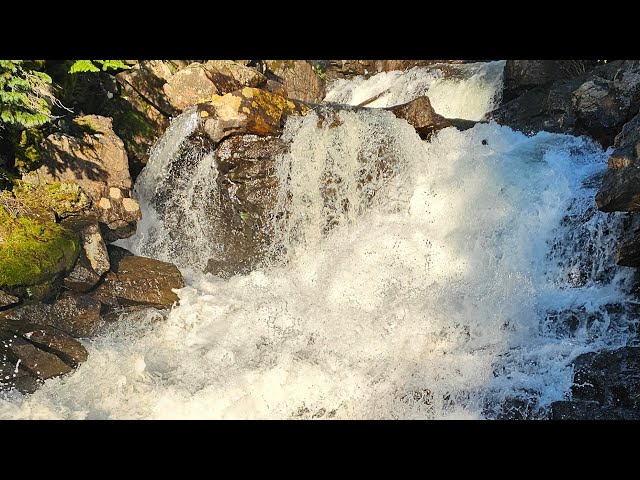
x=94, y=158
x=620, y=189
x=248, y=191
x=523, y=75
x=299, y=78
x=246, y=111
x=138, y=280
x=606, y=385
x=596, y=103
x=33, y=251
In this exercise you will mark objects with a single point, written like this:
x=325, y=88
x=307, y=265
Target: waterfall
x=456, y=278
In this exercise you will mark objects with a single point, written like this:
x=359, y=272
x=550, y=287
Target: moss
x=130, y=124
x=29, y=150
x=63, y=198
x=33, y=252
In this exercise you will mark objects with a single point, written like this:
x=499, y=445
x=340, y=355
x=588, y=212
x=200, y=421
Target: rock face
x=523, y=75
x=248, y=189
x=606, y=386
x=351, y=68
x=299, y=79
x=620, y=190
x=595, y=103
x=140, y=281
x=189, y=87
x=97, y=161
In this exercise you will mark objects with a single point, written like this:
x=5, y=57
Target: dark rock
x=71, y=351
x=38, y=363
x=420, y=114
x=351, y=68
x=299, y=78
x=73, y=313
x=620, y=189
x=140, y=281
x=16, y=377
x=523, y=75
x=82, y=278
x=248, y=190
x=147, y=79
x=610, y=378
x=628, y=254
x=7, y=300
x=567, y=410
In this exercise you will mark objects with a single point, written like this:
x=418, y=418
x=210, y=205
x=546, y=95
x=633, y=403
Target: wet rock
x=7, y=300
x=38, y=363
x=95, y=158
x=13, y=376
x=620, y=189
x=246, y=111
x=140, y=281
x=420, y=114
x=68, y=349
x=567, y=410
x=351, y=68
x=628, y=254
x=75, y=314
x=299, y=78
x=248, y=190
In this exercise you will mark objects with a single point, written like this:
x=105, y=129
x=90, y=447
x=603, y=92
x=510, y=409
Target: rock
x=299, y=78
x=38, y=363
x=7, y=300
x=609, y=378
x=596, y=103
x=620, y=189
x=351, y=68
x=33, y=252
x=75, y=314
x=98, y=162
x=188, y=87
x=248, y=189
x=71, y=351
x=147, y=79
x=93, y=244
x=250, y=110
x=523, y=75
x=140, y=281
x=567, y=410
x=222, y=71
x=14, y=376
x=628, y=254
x=82, y=278
x=420, y=114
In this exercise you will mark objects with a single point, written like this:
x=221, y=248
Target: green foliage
x=25, y=94
x=28, y=150
x=80, y=66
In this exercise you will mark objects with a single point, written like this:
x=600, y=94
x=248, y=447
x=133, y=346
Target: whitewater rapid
x=432, y=295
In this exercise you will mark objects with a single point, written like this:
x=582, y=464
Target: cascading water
x=451, y=279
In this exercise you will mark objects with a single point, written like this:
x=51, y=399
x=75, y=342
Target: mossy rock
x=63, y=198
x=33, y=252
x=30, y=149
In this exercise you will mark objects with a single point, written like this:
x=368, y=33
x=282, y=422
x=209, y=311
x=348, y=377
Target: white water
x=427, y=298
x=455, y=91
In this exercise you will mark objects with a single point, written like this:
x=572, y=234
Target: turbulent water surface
x=458, y=280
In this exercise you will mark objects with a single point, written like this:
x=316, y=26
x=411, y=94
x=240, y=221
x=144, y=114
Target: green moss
x=63, y=198
x=33, y=252
x=130, y=124
x=29, y=150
